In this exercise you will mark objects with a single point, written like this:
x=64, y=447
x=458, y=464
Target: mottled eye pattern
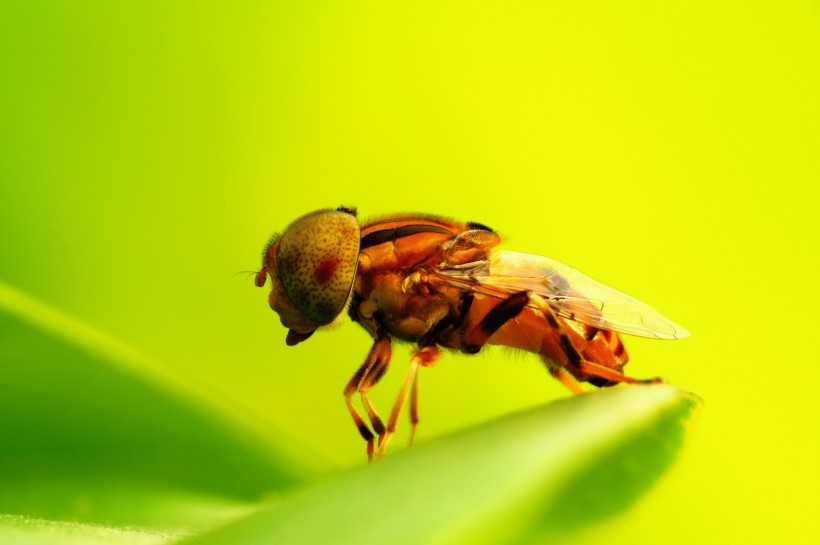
x=317, y=258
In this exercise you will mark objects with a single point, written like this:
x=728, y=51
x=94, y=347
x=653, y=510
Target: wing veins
x=569, y=293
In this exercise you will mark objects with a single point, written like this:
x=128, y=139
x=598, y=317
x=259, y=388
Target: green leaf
x=540, y=474
x=94, y=432
x=19, y=530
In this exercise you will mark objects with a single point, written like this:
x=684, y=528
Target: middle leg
x=425, y=357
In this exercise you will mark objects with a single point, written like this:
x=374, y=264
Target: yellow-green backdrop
x=149, y=149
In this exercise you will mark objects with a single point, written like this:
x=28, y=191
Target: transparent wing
x=569, y=293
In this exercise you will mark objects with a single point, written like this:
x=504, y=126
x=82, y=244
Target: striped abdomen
x=529, y=331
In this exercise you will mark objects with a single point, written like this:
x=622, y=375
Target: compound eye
x=317, y=257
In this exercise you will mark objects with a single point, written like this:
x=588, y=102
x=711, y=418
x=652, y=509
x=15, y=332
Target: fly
x=440, y=283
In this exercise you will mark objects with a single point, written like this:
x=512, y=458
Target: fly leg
x=502, y=313
x=373, y=368
x=350, y=389
x=425, y=357
x=492, y=321
x=561, y=375
x=414, y=408
x=574, y=358
x=510, y=308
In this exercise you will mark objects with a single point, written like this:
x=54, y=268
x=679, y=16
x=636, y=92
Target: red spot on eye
x=325, y=271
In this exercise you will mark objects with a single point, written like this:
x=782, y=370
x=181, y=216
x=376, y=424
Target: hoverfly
x=437, y=282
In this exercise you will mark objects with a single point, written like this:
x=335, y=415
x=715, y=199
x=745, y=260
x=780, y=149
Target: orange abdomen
x=530, y=331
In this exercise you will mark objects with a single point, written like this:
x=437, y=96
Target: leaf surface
x=530, y=477
x=94, y=432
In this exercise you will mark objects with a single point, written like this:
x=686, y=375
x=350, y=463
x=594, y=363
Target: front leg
x=371, y=371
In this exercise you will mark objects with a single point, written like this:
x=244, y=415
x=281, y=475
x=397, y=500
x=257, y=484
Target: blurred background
x=149, y=149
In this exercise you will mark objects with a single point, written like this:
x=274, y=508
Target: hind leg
x=579, y=367
x=572, y=367
x=565, y=378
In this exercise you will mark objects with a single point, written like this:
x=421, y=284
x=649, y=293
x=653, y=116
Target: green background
x=149, y=149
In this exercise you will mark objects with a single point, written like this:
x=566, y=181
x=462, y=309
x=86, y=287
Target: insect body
x=436, y=282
